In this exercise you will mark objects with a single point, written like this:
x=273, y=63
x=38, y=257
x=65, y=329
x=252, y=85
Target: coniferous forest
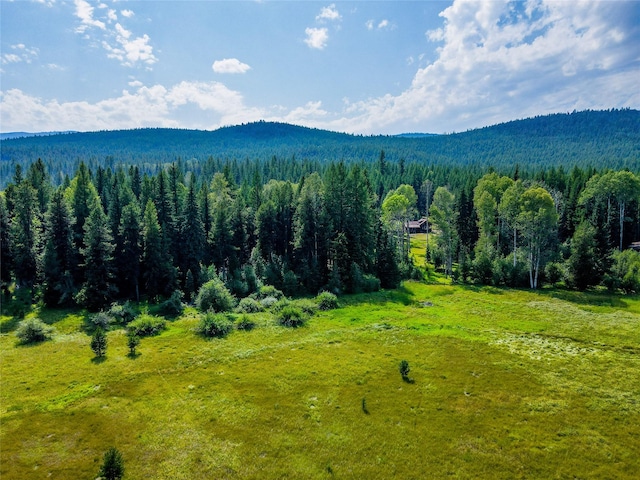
x=118, y=231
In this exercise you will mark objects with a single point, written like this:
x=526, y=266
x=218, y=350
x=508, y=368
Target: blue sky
x=365, y=67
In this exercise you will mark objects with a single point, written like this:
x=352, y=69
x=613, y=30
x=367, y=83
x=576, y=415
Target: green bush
x=268, y=302
x=245, y=323
x=326, y=301
x=213, y=295
x=249, y=305
x=146, y=325
x=308, y=307
x=122, y=314
x=33, y=330
x=214, y=325
x=172, y=307
x=102, y=320
x=132, y=342
x=291, y=316
x=267, y=291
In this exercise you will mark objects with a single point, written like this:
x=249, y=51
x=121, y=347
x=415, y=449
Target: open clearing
x=506, y=384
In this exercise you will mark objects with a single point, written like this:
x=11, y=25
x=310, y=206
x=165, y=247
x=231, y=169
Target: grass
x=507, y=384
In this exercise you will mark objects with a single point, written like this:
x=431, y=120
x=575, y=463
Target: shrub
x=249, y=305
x=146, y=325
x=122, y=314
x=33, y=330
x=113, y=465
x=371, y=283
x=280, y=305
x=327, y=301
x=214, y=325
x=99, y=342
x=308, y=307
x=404, y=369
x=268, y=291
x=102, y=320
x=245, y=323
x=268, y=302
x=213, y=295
x=172, y=307
x=291, y=316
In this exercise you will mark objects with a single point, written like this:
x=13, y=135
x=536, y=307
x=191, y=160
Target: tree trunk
x=622, y=208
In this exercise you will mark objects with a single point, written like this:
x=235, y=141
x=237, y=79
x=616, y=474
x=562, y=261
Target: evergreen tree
x=99, y=342
x=5, y=248
x=83, y=194
x=25, y=228
x=59, y=259
x=129, y=251
x=158, y=272
x=192, y=236
x=98, y=289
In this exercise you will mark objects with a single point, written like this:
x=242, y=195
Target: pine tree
x=59, y=259
x=25, y=228
x=83, y=194
x=5, y=248
x=158, y=272
x=99, y=342
x=98, y=289
x=129, y=252
x=192, y=236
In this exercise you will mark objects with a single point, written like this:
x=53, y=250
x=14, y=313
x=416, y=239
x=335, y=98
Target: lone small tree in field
x=99, y=342
x=132, y=342
x=113, y=465
x=404, y=370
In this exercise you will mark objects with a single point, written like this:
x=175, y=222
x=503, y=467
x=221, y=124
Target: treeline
x=588, y=138
x=110, y=234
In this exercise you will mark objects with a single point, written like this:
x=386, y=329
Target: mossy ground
x=506, y=384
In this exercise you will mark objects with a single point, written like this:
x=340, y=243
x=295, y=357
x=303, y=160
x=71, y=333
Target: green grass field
x=506, y=384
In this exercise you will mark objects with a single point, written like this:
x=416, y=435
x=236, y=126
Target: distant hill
x=588, y=138
x=10, y=135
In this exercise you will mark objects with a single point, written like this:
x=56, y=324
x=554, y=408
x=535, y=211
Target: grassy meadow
x=503, y=384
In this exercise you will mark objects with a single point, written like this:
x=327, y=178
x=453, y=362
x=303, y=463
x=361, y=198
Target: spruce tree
x=5, y=248
x=25, y=228
x=192, y=236
x=59, y=259
x=157, y=268
x=129, y=251
x=98, y=289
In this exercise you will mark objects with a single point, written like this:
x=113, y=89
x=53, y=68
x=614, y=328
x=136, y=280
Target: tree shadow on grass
x=99, y=360
x=594, y=299
x=133, y=355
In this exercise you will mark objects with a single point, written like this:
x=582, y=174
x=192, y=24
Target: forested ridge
x=587, y=139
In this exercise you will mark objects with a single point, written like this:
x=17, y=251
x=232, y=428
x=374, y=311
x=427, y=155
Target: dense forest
x=586, y=139
x=109, y=234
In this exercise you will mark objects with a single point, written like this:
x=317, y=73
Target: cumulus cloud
x=119, y=43
x=230, y=65
x=316, y=37
x=84, y=11
x=154, y=106
x=383, y=24
x=130, y=50
x=501, y=60
x=329, y=13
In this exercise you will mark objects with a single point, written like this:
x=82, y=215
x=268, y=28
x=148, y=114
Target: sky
x=364, y=67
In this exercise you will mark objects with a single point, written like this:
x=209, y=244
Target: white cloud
x=316, y=37
x=230, y=65
x=155, y=106
x=383, y=24
x=130, y=51
x=119, y=43
x=369, y=24
x=84, y=11
x=21, y=53
x=329, y=13
x=501, y=60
